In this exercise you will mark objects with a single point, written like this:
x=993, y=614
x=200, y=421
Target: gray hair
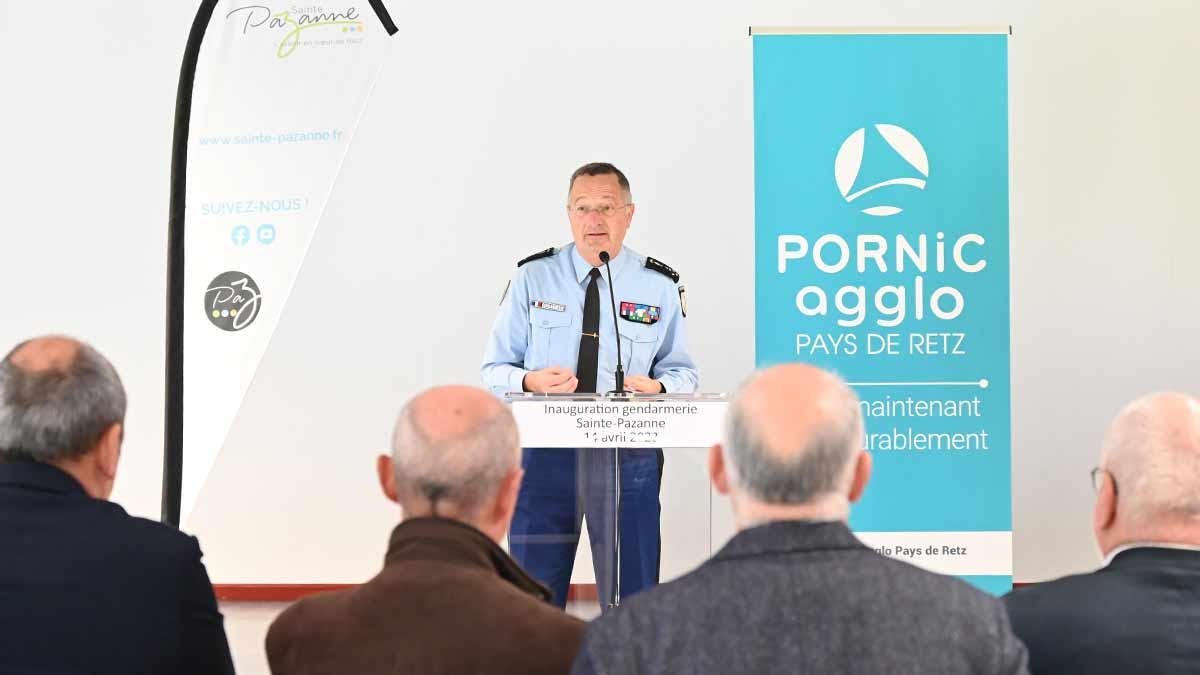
x=818, y=467
x=1152, y=451
x=602, y=169
x=463, y=472
x=58, y=413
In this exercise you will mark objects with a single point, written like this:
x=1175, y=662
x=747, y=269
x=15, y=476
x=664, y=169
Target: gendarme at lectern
x=678, y=423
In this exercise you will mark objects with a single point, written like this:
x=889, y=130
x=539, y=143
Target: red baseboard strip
x=582, y=593
x=272, y=592
x=293, y=592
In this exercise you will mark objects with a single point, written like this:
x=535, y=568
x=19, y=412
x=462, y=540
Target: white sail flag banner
x=278, y=94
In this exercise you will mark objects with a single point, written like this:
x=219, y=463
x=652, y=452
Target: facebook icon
x=241, y=235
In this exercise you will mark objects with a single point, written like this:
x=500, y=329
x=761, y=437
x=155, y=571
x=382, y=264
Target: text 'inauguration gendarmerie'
x=575, y=409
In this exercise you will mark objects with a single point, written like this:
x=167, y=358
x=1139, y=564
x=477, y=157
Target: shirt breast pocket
x=549, y=335
x=640, y=344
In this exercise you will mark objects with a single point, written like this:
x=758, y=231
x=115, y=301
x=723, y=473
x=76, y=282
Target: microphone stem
x=619, y=376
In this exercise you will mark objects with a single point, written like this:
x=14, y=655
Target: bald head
x=58, y=396
x=451, y=449
x=51, y=353
x=1152, y=451
x=792, y=435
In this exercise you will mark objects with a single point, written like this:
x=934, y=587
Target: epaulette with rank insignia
x=662, y=268
x=536, y=256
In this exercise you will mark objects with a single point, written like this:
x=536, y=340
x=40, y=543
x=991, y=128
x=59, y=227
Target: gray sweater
x=804, y=597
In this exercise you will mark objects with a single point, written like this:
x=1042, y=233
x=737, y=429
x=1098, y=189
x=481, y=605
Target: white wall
x=460, y=166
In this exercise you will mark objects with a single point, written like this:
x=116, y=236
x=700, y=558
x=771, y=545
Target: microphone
x=619, y=376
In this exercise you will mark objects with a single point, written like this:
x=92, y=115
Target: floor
x=246, y=626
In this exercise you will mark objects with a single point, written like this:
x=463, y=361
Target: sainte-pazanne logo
x=850, y=159
x=232, y=301
x=297, y=23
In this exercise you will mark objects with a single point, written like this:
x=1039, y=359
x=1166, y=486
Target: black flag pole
x=172, y=483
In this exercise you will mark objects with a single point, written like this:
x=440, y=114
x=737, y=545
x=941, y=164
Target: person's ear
x=862, y=475
x=108, y=455
x=387, y=477
x=1104, y=514
x=717, y=471
x=505, y=503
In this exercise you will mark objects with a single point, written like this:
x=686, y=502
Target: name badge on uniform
x=639, y=313
x=552, y=306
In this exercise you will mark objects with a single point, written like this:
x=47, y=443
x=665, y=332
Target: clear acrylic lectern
x=683, y=425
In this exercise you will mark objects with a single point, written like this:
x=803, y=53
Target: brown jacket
x=449, y=600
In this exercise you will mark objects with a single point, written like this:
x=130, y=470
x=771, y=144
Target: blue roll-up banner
x=882, y=253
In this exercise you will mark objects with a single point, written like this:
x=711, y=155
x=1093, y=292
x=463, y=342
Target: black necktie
x=589, y=342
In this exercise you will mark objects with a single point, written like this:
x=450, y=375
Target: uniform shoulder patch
x=662, y=268
x=536, y=256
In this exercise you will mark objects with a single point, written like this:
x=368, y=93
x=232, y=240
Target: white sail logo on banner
x=848, y=164
x=279, y=91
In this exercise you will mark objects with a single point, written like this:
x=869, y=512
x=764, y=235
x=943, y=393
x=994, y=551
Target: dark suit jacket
x=86, y=588
x=449, y=600
x=1140, y=614
x=803, y=597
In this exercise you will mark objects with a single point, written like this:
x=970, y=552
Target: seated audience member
x=1140, y=613
x=449, y=599
x=84, y=587
x=794, y=591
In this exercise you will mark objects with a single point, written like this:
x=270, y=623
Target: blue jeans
x=561, y=487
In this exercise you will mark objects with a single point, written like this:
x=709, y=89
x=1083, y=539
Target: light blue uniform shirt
x=541, y=320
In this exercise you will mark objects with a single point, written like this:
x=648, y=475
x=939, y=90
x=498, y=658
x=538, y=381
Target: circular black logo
x=232, y=301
